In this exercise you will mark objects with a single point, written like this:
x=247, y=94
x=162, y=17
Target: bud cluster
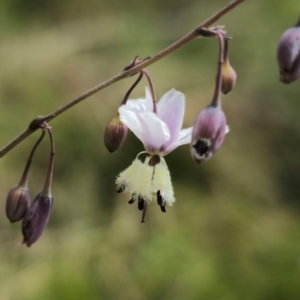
x=34, y=215
x=210, y=125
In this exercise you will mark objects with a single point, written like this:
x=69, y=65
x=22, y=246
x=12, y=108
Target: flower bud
x=208, y=133
x=115, y=134
x=288, y=55
x=17, y=203
x=228, y=77
x=36, y=218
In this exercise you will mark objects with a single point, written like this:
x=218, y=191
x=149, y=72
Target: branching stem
x=147, y=62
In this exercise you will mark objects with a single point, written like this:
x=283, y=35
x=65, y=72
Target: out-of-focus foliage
x=234, y=231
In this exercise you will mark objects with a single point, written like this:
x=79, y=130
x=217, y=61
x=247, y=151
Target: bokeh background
x=234, y=232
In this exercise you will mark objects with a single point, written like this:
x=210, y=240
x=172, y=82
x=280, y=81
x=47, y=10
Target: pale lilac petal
x=171, y=110
x=147, y=127
x=139, y=104
x=148, y=100
x=155, y=133
x=220, y=135
x=130, y=119
x=185, y=137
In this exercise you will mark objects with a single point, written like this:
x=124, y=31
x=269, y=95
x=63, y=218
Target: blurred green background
x=234, y=232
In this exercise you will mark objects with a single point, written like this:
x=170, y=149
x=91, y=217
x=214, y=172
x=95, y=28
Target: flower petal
x=148, y=100
x=153, y=132
x=185, y=137
x=139, y=104
x=170, y=109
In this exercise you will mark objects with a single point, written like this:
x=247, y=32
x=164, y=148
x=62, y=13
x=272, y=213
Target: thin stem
x=23, y=180
x=147, y=62
x=152, y=91
x=216, y=101
x=48, y=181
x=144, y=212
x=132, y=87
x=225, y=53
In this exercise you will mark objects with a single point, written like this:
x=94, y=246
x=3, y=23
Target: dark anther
x=201, y=147
x=154, y=160
x=141, y=202
x=159, y=198
x=163, y=208
x=131, y=200
x=120, y=189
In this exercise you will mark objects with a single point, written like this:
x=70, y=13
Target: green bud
x=17, y=203
x=115, y=134
x=228, y=77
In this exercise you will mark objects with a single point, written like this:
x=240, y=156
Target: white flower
x=160, y=133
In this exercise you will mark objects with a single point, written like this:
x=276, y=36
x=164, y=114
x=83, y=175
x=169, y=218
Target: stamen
x=141, y=203
x=144, y=212
x=163, y=208
x=131, y=201
x=159, y=198
x=202, y=147
x=154, y=160
x=121, y=189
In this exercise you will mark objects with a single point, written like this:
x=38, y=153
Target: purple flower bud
x=288, y=55
x=17, y=203
x=208, y=133
x=115, y=134
x=36, y=218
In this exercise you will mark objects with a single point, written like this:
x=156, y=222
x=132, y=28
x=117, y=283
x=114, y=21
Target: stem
x=152, y=91
x=216, y=101
x=144, y=212
x=48, y=181
x=132, y=87
x=147, y=62
x=23, y=180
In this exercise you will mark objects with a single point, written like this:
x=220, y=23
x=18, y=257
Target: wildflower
x=208, y=133
x=159, y=129
x=210, y=126
x=288, y=54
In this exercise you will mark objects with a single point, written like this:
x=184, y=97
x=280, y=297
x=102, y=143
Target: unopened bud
x=17, y=203
x=36, y=218
x=208, y=133
x=115, y=134
x=228, y=77
x=288, y=54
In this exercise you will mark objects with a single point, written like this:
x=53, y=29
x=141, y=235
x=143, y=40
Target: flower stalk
x=147, y=62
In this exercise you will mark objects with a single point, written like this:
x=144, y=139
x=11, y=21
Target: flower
x=208, y=133
x=160, y=133
x=288, y=54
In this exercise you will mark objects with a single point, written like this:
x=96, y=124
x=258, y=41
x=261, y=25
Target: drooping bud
x=228, y=73
x=208, y=133
x=115, y=134
x=288, y=54
x=17, y=203
x=36, y=218
x=18, y=198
